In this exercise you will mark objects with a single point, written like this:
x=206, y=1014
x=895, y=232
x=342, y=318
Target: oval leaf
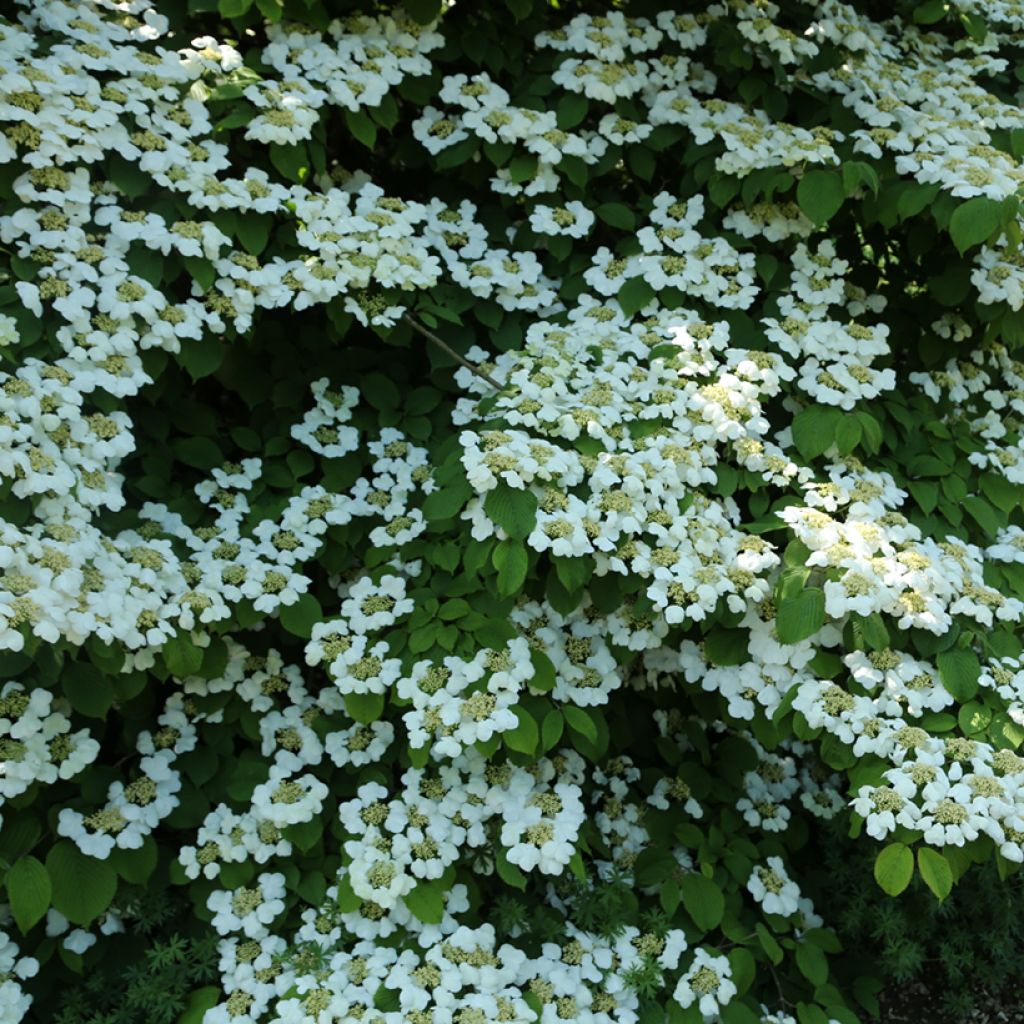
x=935, y=871
x=704, y=901
x=82, y=886
x=801, y=616
x=28, y=891
x=960, y=671
x=894, y=867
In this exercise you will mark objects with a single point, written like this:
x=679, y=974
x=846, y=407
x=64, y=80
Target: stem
x=443, y=345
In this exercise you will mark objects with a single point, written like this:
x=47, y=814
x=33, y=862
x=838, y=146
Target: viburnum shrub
x=481, y=483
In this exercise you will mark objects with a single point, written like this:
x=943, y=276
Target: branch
x=431, y=337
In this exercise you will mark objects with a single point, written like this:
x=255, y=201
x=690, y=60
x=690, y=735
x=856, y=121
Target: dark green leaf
x=974, y=221
x=960, y=671
x=513, y=509
x=83, y=887
x=28, y=891
x=801, y=616
x=703, y=900
x=820, y=194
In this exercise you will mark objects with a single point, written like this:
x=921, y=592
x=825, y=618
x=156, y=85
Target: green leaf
x=571, y=110
x=233, y=8
x=576, y=718
x=272, y=10
x=551, y=729
x=727, y=646
x=894, y=867
x=300, y=617
x=573, y=572
x=915, y=198
x=983, y=514
x=820, y=194
x=801, y=616
x=522, y=167
x=703, y=900
x=814, y=430
x=641, y=162
x=736, y=1012
x=930, y=12
x=362, y=127
x=1001, y=492
x=848, y=432
x=960, y=671
x=453, y=610
x=617, y=215
x=253, y=231
x=447, y=501
x=201, y=358
x=89, y=690
x=974, y=221
x=200, y=452
x=511, y=561
x=525, y=737
x=201, y=1000
x=1008, y=729
x=28, y=891
x=812, y=963
x=744, y=969
x=576, y=865
x=181, y=656
x=136, y=865
x=291, y=161
x=422, y=11
x=508, y=872
x=365, y=707
x=426, y=901
x=925, y=494
x=513, y=509
x=769, y=943
x=634, y=295
x=874, y=631
x=544, y=678
x=677, y=1015
x=346, y=899
x=856, y=172
x=935, y=871
x=83, y=887
x=127, y=176
x=976, y=26
x=807, y=1013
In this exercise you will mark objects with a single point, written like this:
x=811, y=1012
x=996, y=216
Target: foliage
x=918, y=938
x=147, y=974
x=481, y=485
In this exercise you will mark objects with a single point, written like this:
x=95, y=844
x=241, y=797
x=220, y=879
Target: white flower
x=772, y=888
x=707, y=982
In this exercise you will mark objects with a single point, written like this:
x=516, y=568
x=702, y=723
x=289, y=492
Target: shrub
x=481, y=487
x=923, y=948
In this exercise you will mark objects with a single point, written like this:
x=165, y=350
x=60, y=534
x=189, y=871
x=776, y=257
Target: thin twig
x=431, y=337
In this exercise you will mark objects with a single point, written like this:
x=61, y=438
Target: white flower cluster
x=662, y=423
x=949, y=791
x=14, y=1002
x=883, y=564
x=37, y=745
x=623, y=437
x=135, y=809
x=354, y=64
x=675, y=255
x=583, y=977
